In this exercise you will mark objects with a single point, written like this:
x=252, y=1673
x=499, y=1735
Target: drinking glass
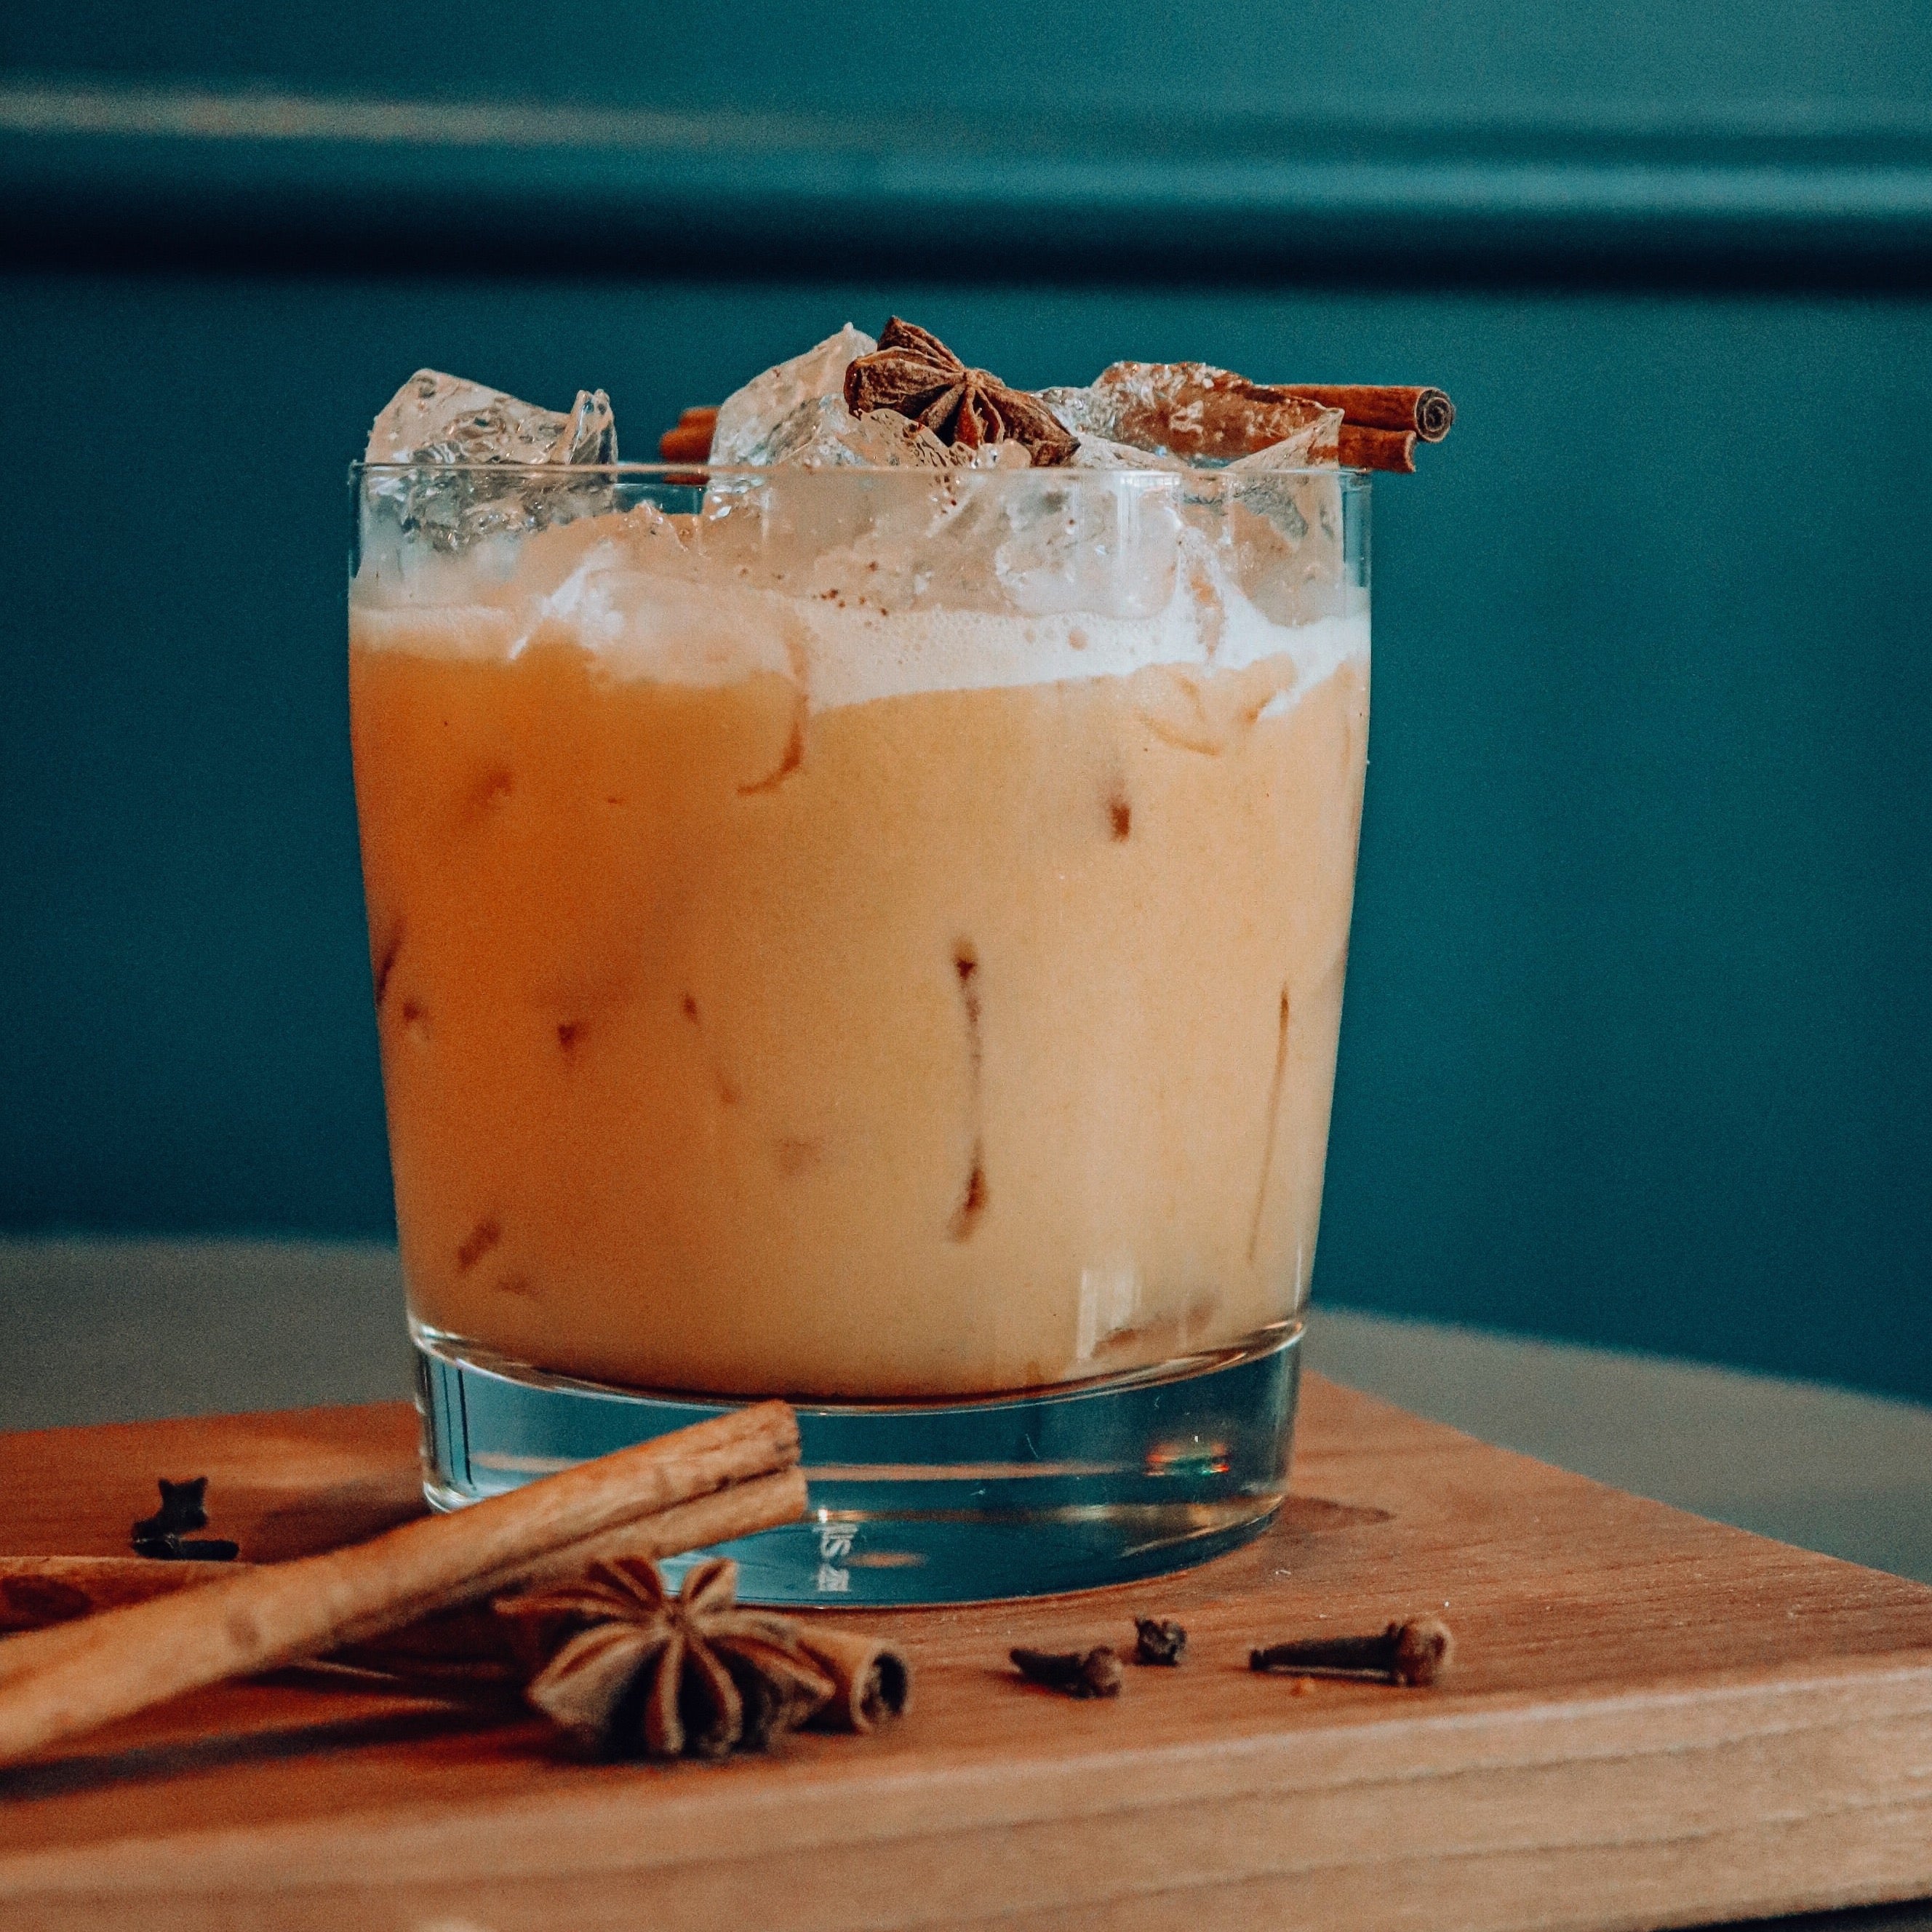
x=875, y=937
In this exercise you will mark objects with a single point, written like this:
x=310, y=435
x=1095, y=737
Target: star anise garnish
x=624, y=1668
x=913, y=373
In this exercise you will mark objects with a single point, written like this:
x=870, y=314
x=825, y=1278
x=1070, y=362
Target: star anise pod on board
x=914, y=373
x=624, y=1669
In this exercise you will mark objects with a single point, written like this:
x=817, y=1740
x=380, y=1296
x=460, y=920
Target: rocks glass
x=875, y=937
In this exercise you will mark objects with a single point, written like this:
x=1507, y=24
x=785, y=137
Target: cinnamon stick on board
x=37, y=1591
x=682, y=1490
x=870, y=1678
x=459, y=1646
x=1428, y=412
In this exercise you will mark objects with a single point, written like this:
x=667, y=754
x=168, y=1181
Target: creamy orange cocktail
x=789, y=979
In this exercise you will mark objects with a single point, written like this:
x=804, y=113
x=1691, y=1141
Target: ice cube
x=822, y=433
x=1096, y=452
x=1008, y=454
x=751, y=419
x=1284, y=526
x=477, y=456
x=437, y=418
x=774, y=530
x=1292, y=452
x=1108, y=546
x=1078, y=410
x=1194, y=410
x=1276, y=501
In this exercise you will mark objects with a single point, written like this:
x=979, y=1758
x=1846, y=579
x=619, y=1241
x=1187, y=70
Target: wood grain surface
x=1652, y=1721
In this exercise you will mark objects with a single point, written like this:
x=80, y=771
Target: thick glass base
x=1066, y=1489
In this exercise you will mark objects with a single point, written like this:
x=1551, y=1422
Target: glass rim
x=690, y=472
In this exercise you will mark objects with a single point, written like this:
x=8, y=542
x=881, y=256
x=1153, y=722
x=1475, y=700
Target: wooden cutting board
x=1653, y=1721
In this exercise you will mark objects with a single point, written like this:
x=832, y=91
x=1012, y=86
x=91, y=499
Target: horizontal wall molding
x=93, y=176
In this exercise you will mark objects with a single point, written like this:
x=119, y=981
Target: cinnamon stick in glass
x=678, y=1493
x=1429, y=413
x=690, y=442
x=1360, y=448
x=1381, y=423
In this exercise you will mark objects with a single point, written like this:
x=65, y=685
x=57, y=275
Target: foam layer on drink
x=851, y=626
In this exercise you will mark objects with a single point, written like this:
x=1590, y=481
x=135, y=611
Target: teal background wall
x=1492, y=59
x=1635, y=1048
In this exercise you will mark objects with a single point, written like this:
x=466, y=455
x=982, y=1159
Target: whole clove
x=1091, y=1673
x=188, y=1549
x=1412, y=1653
x=184, y=1506
x=1157, y=1641
x=163, y=1534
